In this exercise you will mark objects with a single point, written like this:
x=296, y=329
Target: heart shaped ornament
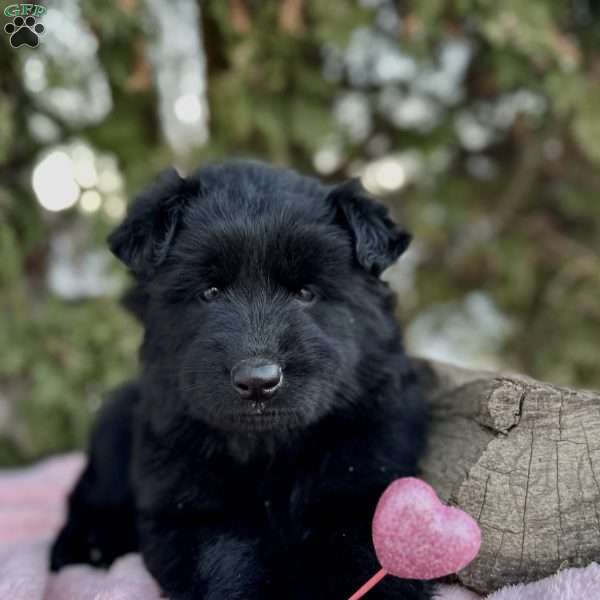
x=417, y=537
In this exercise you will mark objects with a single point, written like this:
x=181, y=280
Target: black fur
x=230, y=499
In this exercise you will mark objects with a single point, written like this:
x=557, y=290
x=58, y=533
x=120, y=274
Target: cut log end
x=523, y=458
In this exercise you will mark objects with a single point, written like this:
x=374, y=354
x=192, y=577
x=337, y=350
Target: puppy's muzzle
x=256, y=379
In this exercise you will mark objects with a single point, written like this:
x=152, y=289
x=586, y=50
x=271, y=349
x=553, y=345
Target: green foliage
x=526, y=231
x=62, y=361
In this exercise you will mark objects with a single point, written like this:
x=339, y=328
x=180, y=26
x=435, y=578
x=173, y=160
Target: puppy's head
x=260, y=294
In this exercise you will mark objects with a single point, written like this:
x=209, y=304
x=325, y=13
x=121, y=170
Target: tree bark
x=523, y=458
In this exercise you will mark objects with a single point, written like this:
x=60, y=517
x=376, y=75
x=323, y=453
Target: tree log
x=523, y=458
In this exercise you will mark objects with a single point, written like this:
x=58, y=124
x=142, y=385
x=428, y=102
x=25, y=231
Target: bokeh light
x=90, y=201
x=188, y=108
x=54, y=182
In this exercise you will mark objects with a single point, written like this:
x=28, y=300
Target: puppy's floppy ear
x=378, y=241
x=143, y=240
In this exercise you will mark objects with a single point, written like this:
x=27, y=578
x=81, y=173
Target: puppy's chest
x=275, y=500
x=284, y=499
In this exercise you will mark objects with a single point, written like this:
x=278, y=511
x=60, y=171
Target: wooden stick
x=368, y=585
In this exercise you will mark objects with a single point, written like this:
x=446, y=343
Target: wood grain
x=523, y=458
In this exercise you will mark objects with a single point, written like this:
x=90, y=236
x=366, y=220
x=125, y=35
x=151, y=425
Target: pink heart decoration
x=417, y=537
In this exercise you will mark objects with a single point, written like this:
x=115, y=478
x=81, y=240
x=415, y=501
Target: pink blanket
x=32, y=509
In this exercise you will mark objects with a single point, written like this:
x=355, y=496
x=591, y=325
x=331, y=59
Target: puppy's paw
x=69, y=548
x=76, y=544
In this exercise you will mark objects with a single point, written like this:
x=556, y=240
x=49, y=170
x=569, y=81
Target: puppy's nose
x=256, y=378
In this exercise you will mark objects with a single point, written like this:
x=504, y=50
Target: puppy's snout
x=256, y=378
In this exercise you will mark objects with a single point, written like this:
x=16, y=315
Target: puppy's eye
x=305, y=295
x=210, y=294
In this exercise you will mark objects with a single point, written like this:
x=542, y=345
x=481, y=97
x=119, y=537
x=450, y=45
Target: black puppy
x=275, y=402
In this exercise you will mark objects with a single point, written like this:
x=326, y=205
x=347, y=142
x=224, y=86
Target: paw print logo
x=24, y=32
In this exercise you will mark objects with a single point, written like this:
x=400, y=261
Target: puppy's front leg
x=195, y=562
x=100, y=524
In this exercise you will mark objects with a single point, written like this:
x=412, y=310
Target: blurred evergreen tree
x=496, y=105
